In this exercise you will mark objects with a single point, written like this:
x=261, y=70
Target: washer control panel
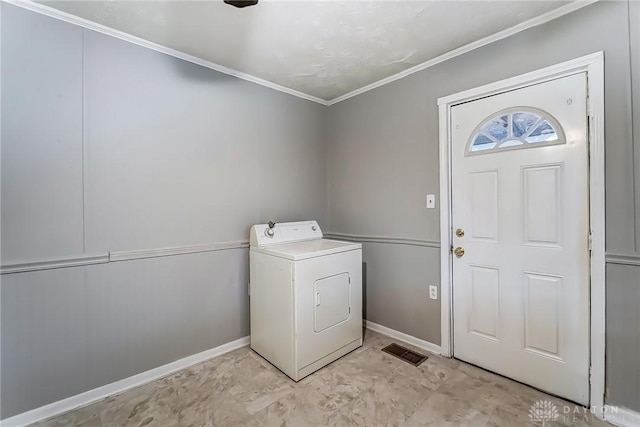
x=274, y=233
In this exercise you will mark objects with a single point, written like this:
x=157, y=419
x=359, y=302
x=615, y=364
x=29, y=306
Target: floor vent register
x=405, y=354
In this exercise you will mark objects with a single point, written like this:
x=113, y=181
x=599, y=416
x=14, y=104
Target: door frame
x=593, y=65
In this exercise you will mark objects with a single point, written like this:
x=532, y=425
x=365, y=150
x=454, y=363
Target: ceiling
x=324, y=49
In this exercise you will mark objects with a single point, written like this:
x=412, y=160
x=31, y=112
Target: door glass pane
x=523, y=122
x=510, y=143
x=497, y=127
x=543, y=133
x=482, y=142
x=515, y=129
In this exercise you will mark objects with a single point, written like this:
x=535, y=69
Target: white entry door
x=521, y=235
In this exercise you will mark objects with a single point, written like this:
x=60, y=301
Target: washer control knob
x=314, y=228
x=269, y=231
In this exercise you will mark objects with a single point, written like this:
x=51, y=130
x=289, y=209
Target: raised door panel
x=542, y=190
x=485, y=302
x=484, y=205
x=542, y=305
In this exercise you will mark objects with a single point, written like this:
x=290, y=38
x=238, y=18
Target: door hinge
x=349, y=279
x=590, y=242
x=349, y=310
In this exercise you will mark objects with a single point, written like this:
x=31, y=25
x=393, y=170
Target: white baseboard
x=91, y=396
x=620, y=416
x=400, y=336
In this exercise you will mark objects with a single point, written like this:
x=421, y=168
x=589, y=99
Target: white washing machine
x=306, y=296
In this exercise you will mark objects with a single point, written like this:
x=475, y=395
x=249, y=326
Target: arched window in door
x=515, y=128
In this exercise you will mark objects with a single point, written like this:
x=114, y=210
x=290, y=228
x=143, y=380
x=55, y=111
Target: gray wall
x=383, y=160
x=623, y=336
x=107, y=146
x=623, y=269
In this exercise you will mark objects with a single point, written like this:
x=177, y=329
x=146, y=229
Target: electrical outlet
x=433, y=292
x=431, y=201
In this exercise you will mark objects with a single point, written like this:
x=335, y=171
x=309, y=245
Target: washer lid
x=308, y=249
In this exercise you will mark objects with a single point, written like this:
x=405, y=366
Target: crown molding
x=103, y=29
x=85, y=23
x=533, y=22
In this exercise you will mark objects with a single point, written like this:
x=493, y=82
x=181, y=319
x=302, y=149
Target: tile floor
x=365, y=388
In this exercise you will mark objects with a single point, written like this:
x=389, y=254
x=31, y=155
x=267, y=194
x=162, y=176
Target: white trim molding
x=620, y=416
x=50, y=264
x=400, y=336
x=623, y=259
x=103, y=29
x=388, y=240
x=593, y=65
x=91, y=396
x=85, y=23
x=176, y=250
x=533, y=22
x=80, y=260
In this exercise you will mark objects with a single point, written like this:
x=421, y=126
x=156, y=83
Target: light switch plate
x=431, y=201
x=433, y=292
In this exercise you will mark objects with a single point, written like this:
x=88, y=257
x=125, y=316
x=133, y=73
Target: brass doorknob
x=460, y=232
x=459, y=252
